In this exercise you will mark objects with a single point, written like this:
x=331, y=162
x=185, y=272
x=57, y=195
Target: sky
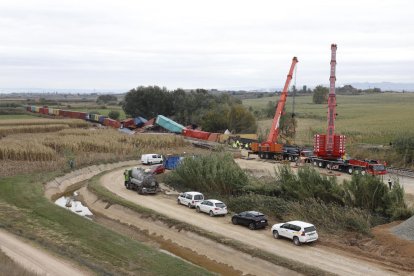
x=227, y=44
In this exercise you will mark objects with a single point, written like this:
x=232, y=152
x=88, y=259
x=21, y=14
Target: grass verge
x=25, y=212
x=111, y=198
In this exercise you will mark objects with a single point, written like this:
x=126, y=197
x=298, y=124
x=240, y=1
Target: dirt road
x=35, y=259
x=315, y=255
x=196, y=249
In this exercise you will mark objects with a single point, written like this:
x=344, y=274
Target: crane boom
x=274, y=130
x=331, y=103
x=330, y=146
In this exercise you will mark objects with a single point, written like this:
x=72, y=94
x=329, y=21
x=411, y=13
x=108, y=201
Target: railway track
x=401, y=172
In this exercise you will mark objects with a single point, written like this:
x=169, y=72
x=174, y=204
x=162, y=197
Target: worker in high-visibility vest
x=126, y=175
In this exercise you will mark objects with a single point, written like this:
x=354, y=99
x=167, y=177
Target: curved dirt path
x=321, y=257
x=35, y=259
x=197, y=248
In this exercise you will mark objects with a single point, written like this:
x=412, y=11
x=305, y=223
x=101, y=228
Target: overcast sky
x=202, y=44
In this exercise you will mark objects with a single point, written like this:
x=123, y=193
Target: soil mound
x=405, y=230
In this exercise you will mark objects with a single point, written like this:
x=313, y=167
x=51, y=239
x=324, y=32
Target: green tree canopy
x=241, y=120
x=199, y=107
x=114, y=114
x=320, y=94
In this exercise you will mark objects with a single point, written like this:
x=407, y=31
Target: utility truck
x=140, y=180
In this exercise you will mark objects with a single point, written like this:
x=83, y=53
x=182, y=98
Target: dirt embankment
x=324, y=258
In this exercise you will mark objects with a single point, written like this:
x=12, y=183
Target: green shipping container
x=169, y=124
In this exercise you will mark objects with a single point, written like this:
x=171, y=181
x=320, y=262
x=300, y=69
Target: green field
x=374, y=119
x=103, y=111
x=85, y=107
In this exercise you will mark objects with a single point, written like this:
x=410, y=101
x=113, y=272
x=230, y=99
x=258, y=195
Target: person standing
x=389, y=183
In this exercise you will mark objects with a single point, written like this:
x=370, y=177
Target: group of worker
x=239, y=145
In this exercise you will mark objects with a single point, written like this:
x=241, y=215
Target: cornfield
x=51, y=146
x=7, y=130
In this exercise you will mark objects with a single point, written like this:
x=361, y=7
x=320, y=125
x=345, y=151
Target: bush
x=113, y=114
x=216, y=174
x=308, y=183
x=329, y=217
x=320, y=95
x=274, y=207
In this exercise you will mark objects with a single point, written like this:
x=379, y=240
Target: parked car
x=151, y=158
x=298, y=231
x=213, y=207
x=157, y=169
x=190, y=199
x=251, y=219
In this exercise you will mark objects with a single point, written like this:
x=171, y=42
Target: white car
x=298, y=231
x=190, y=199
x=212, y=207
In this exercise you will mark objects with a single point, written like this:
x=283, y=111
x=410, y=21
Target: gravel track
x=35, y=259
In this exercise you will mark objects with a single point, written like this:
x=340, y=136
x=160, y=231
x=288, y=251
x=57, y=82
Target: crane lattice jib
x=331, y=103
x=274, y=131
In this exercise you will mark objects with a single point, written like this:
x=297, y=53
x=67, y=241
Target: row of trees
x=214, y=113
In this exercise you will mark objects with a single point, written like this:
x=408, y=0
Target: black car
x=251, y=219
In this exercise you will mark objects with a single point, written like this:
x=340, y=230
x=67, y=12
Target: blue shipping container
x=139, y=121
x=172, y=162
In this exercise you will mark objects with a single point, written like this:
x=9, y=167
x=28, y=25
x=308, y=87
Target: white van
x=151, y=158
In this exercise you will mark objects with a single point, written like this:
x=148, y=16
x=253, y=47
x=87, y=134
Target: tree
x=106, y=99
x=270, y=109
x=240, y=120
x=320, y=94
x=148, y=102
x=215, y=120
x=114, y=114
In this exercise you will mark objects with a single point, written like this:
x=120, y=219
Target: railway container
x=169, y=124
x=198, y=134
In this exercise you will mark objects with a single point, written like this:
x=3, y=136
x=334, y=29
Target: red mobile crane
x=329, y=148
x=330, y=145
x=270, y=148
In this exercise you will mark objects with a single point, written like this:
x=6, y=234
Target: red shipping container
x=128, y=123
x=81, y=115
x=198, y=134
x=213, y=137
